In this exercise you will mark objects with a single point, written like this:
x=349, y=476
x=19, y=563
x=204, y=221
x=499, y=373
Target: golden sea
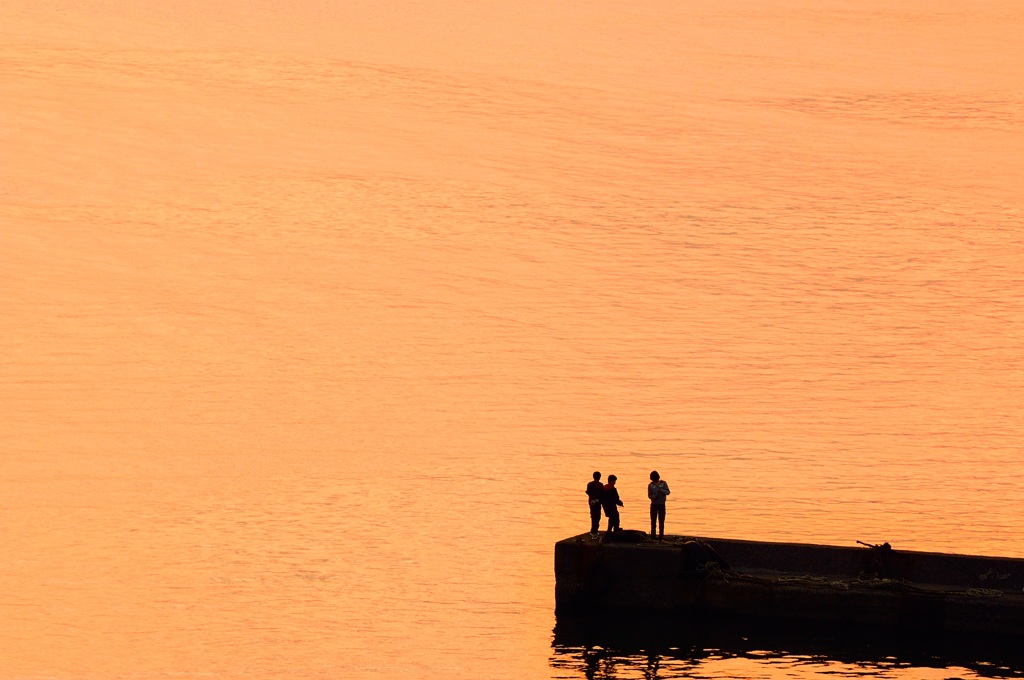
x=316, y=319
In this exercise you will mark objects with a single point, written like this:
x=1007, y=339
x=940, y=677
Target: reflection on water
x=631, y=646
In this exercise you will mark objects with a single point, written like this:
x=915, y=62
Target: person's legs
x=595, y=518
x=661, y=522
x=654, y=515
x=613, y=520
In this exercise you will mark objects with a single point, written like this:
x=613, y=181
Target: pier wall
x=794, y=582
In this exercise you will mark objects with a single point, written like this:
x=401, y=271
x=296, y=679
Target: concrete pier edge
x=872, y=586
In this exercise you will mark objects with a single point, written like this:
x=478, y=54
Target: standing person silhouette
x=609, y=501
x=594, y=491
x=656, y=491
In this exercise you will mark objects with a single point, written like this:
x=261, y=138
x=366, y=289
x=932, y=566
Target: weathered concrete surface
x=795, y=582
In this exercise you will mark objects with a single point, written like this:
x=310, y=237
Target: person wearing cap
x=656, y=491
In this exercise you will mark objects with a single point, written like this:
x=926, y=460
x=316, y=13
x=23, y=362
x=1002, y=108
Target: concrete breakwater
x=871, y=585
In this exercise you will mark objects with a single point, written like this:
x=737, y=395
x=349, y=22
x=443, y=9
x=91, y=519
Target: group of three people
x=606, y=497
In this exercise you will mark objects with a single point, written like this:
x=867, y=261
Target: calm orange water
x=316, y=320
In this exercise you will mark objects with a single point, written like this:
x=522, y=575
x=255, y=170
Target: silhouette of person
x=656, y=491
x=594, y=491
x=609, y=501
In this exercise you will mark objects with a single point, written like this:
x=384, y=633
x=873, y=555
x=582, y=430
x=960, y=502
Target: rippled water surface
x=316, y=321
